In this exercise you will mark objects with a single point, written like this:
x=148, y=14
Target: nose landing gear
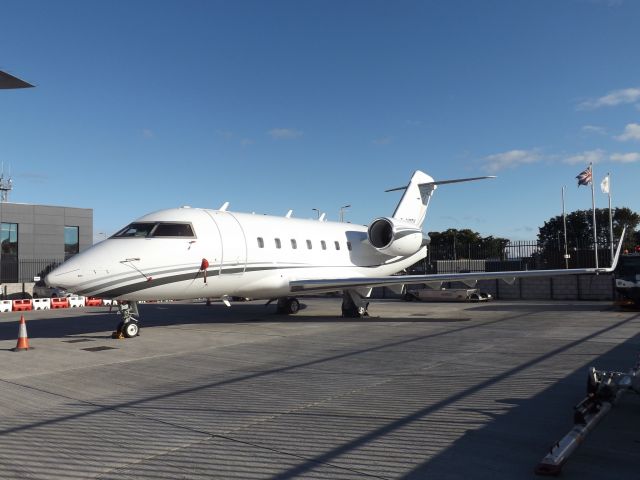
x=128, y=327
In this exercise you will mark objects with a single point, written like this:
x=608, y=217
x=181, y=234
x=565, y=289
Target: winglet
x=614, y=262
x=224, y=207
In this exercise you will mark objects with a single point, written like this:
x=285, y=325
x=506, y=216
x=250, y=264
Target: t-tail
x=417, y=195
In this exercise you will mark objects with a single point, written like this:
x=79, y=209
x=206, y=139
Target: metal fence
x=18, y=270
x=516, y=255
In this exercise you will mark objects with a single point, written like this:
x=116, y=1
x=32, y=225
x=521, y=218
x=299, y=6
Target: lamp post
x=342, y=209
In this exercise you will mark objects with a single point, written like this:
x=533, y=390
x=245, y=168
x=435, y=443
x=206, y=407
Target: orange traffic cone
x=23, y=340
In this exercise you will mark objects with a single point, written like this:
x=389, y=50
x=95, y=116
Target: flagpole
x=593, y=206
x=564, y=221
x=610, y=215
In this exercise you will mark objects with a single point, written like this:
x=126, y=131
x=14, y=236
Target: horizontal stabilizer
x=442, y=182
x=9, y=81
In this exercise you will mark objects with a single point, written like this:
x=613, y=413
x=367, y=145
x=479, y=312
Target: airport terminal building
x=35, y=238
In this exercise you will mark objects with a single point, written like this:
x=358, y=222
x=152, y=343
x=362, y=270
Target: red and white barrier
x=76, y=301
x=41, y=303
x=22, y=305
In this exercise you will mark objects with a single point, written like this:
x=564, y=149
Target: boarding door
x=234, y=244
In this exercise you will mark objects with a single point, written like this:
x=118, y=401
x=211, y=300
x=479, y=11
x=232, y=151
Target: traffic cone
x=23, y=340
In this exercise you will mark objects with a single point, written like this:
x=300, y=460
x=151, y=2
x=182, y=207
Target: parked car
x=42, y=290
x=447, y=295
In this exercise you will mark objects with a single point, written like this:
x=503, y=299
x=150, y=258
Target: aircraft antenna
x=6, y=185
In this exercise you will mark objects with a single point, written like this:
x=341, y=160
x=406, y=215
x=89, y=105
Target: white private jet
x=187, y=253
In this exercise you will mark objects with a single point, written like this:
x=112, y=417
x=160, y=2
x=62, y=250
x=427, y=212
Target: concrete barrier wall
x=572, y=287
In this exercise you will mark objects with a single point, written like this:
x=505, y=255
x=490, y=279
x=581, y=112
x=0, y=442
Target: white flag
x=604, y=185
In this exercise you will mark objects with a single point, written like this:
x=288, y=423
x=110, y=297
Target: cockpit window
x=156, y=229
x=172, y=230
x=135, y=230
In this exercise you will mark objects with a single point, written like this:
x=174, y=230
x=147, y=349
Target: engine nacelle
x=395, y=238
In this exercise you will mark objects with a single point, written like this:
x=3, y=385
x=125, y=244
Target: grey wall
x=41, y=228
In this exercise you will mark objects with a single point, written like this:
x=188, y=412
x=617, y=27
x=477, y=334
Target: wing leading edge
x=326, y=285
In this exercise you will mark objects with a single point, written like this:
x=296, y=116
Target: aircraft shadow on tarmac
x=546, y=306
x=91, y=322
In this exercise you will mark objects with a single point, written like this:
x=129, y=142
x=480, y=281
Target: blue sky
x=278, y=105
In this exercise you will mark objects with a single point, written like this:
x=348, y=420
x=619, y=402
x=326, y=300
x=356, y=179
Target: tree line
x=550, y=235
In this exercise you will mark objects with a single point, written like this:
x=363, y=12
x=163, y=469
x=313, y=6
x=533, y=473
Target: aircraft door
x=234, y=244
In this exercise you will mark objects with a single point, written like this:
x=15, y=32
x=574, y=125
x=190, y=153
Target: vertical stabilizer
x=415, y=200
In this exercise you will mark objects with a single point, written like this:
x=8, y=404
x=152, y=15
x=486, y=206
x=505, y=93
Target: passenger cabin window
x=278, y=244
x=309, y=246
x=337, y=244
x=173, y=230
x=323, y=244
x=294, y=244
x=349, y=246
x=260, y=242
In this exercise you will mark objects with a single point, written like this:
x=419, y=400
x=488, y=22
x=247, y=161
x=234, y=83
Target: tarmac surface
x=417, y=390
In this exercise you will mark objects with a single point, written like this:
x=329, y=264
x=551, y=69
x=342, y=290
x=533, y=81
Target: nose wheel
x=128, y=327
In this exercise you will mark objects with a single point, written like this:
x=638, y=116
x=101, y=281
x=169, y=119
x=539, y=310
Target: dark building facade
x=36, y=237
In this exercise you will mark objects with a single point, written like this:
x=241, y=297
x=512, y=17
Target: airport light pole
x=342, y=209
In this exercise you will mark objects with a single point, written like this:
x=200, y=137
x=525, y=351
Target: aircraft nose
x=65, y=276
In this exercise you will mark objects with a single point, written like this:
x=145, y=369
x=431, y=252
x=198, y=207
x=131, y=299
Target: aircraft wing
x=328, y=285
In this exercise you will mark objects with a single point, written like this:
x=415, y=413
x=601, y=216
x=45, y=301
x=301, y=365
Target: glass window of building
x=9, y=239
x=71, y=241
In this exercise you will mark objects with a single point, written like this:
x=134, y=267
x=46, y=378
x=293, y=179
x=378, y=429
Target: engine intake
x=395, y=238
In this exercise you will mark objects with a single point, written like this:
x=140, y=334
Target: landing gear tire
x=355, y=312
x=354, y=309
x=288, y=306
x=130, y=329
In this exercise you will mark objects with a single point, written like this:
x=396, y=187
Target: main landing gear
x=354, y=305
x=128, y=327
x=288, y=305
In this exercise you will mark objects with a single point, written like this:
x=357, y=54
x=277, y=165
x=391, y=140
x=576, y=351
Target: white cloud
x=611, y=99
x=594, y=129
x=227, y=134
x=383, y=140
x=589, y=156
x=631, y=132
x=147, y=133
x=625, y=157
x=511, y=159
x=246, y=141
x=284, y=133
